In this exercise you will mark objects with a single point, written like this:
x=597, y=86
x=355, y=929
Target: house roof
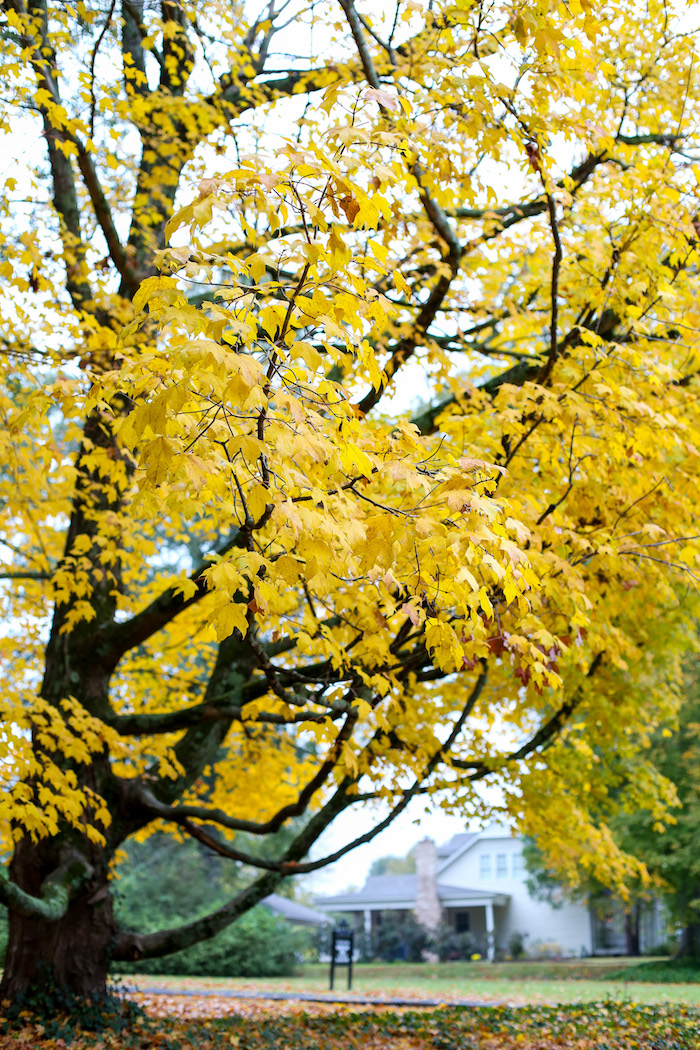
x=448, y=853
x=292, y=911
x=400, y=891
x=384, y=887
x=457, y=842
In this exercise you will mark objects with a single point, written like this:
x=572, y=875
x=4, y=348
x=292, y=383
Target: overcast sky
x=413, y=824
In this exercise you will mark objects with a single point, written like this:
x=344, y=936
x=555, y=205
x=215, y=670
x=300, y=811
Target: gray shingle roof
x=292, y=911
x=455, y=843
x=390, y=888
x=387, y=886
x=401, y=889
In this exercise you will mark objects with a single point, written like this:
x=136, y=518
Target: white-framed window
x=518, y=864
x=501, y=865
x=485, y=865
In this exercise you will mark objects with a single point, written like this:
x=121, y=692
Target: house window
x=518, y=864
x=462, y=922
x=485, y=865
x=501, y=865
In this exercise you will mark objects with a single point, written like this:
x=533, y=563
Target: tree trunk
x=69, y=956
x=632, y=937
x=689, y=944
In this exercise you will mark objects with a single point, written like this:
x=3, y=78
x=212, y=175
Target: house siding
x=566, y=929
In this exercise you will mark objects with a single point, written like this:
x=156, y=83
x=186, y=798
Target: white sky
x=396, y=840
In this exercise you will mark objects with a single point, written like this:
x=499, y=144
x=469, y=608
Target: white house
x=477, y=883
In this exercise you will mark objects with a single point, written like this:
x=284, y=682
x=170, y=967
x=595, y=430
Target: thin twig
x=93, y=60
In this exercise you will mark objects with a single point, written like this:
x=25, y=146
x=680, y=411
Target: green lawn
x=519, y=983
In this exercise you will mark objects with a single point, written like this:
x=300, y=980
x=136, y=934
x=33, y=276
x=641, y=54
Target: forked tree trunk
x=71, y=955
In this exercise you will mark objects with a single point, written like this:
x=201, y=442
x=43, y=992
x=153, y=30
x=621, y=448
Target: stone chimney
x=427, y=908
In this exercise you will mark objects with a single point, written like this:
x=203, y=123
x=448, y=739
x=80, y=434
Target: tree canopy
x=349, y=430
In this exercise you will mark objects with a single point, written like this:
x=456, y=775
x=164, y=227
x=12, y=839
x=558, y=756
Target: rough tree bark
x=72, y=953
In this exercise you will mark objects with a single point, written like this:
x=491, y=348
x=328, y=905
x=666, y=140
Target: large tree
x=241, y=586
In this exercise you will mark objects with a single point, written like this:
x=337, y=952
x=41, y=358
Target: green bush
x=399, y=937
x=256, y=945
x=516, y=945
x=451, y=946
x=164, y=883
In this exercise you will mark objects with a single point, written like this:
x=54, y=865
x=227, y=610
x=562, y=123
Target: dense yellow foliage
x=391, y=458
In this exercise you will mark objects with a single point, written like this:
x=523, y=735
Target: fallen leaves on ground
x=199, y=1007
x=303, y=1026
x=193, y=1007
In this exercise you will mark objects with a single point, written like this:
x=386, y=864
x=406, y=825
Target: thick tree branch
x=103, y=212
x=19, y=575
x=133, y=946
x=183, y=815
x=407, y=346
x=433, y=210
x=199, y=747
x=121, y=637
x=517, y=374
x=147, y=723
x=65, y=198
x=178, y=55
x=93, y=62
x=438, y=219
x=439, y=755
x=56, y=891
x=65, y=195
x=355, y=24
x=132, y=45
x=654, y=138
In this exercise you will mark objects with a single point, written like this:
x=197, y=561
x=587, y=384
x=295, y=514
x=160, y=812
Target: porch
x=478, y=913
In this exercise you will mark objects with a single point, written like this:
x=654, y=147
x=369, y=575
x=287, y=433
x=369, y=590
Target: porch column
x=368, y=933
x=490, y=933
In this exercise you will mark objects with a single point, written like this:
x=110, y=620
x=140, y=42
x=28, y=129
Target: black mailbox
x=342, y=944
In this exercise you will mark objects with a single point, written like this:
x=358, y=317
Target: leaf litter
x=171, y=1023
